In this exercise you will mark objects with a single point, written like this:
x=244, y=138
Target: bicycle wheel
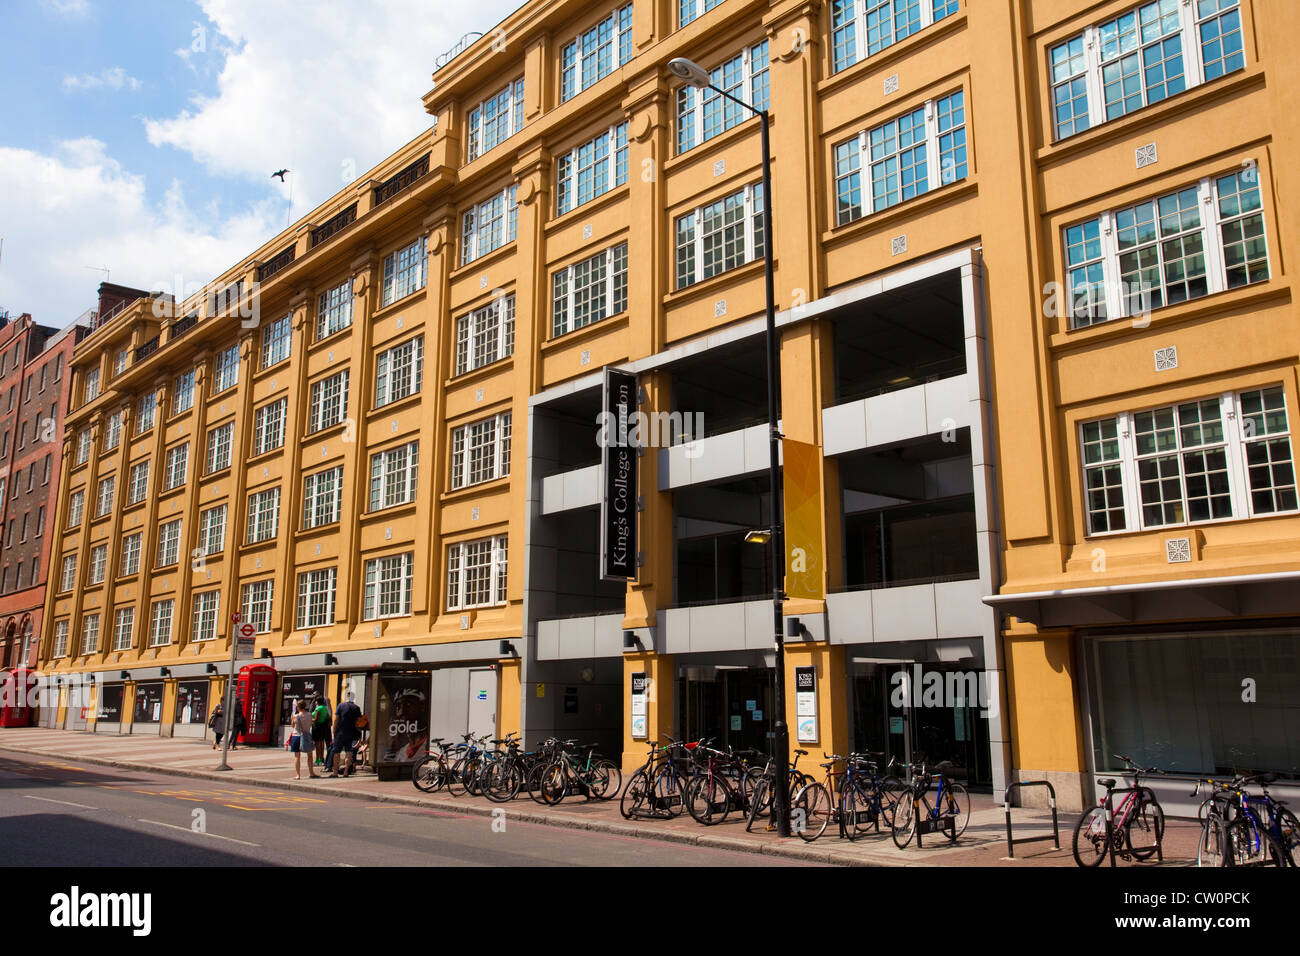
x=1090, y=846
x=456, y=777
x=428, y=775
x=1251, y=845
x=555, y=783
x=707, y=799
x=533, y=781
x=891, y=789
x=1145, y=830
x=858, y=811
x=904, y=823
x=812, y=811
x=1290, y=827
x=1212, y=850
x=956, y=804
x=474, y=769
x=635, y=794
x=667, y=792
x=501, y=780
x=760, y=801
x=606, y=780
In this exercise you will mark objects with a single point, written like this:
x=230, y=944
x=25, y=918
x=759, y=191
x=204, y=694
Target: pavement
x=258, y=769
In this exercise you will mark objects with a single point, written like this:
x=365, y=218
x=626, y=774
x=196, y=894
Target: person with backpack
x=217, y=723
x=346, y=734
x=239, y=725
x=320, y=729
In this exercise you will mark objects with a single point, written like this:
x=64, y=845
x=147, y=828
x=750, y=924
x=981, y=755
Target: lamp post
x=698, y=77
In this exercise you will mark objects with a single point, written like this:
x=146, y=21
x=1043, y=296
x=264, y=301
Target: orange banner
x=804, y=566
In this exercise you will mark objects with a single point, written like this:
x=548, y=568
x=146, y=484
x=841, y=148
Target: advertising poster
x=403, y=719
x=192, y=702
x=110, y=703
x=148, y=703
x=296, y=687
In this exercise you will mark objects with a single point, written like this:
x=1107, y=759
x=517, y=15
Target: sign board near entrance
x=805, y=703
x=618, y=540
x=640, y=724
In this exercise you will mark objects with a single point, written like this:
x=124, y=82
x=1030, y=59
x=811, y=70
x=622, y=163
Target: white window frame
x=394, y=476
x=123, y=628
x=277, y=341
x=574, y=54
x=145, y=410
x=857, y=20
x=405, y=271
x=132, y=546
x=68, y=576
x=90, y=634
x=98, y=569
x=104, y=494
x=581, y=283
x=485, y=336
x=334, y=310
x=169, y=543
x=263, y=515
x=399, y=371
x=329, y=394
x=60, y=648
x=751, y=199
x=225, y=370
x=112, y=430
x=457, y=578
x=489, y=225
x=693, y=103
x=315, y=604
x=203, y=617
x=178, y=466
x=690, y=10
x=84, y=441
x=183, y=392
x=322, y=498
x=212, y=530
x=138, y=484
x=505, y=107
x=76, y=506
x=473, y=437
x=161, y=615
x=1120, y=305
x=256, y=601
x=268, y=426
x=569, y=168
x=91, y=388
x=383, y=576
x=220, y=440
x=1189, y=31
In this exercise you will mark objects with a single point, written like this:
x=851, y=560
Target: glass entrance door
x=731, y=705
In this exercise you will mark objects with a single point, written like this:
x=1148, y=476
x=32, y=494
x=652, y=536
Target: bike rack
x=1006, y=806
x=946, y=825
x=1108, y=802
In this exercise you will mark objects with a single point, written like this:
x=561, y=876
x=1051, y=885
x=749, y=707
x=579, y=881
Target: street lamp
x=697, y=76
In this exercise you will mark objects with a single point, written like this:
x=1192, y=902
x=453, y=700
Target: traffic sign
x=247, y=630
x=236, y=617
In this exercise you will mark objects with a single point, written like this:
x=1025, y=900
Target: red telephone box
x=16, y=690
x=255, y=694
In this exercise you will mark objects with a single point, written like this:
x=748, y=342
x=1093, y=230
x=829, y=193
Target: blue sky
x=141, y=134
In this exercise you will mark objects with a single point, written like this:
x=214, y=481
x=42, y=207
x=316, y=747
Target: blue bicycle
x=948, y=815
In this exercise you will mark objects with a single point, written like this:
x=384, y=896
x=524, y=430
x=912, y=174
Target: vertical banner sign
x=640, y=729
x=804, y=568
x=619, y=477
x=805, y=703
x=245, y=641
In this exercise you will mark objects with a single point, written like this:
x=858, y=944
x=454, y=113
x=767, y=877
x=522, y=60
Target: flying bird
x=281, y=173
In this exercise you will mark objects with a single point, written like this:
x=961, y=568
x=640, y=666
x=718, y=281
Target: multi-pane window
x=489, y=225
x=720, y=236
x=92, y=385
x=83, y=446
x=60, y=648
x=404, y=271
x=388, y=587
x=334, y=310
x=76, y=505
x=212, y=530
x=316, y=598
x=903, y=158
x=226, y=370
x=322, y=498
x=495, y=120
x=178, y=462
x=124, y=628
x=703, y=114
x=131, y=546
x=119, y=366
x=68, y=577
x=160, y=622
x=589, y=291
x=219, y=441
x=138, y=486
x=1228, y=456
x=480, y=451
x=485, y=335
x=268, y=426
x=98, y=564
x=263, y=515
x=476, y=573
x=276, y=338
x=399, y=371
x=144, y=413
x=862, y=28
x=596, y=53
x=90, y=634
x=203, y=621
x=183, y=393
x=1203, y=239
x=104, y=496
x=255, y=604
x=394, y=476
x=169, y=543
x=329, y=402
x=592, y=169
x=688, y=10
x=1143, y=56
x=112, y=430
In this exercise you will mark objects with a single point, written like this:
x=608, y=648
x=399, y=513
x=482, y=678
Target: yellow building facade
x=392, y=465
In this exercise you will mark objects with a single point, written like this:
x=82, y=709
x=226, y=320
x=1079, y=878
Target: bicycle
x=720, y=784
x=656, y=788
x=596, y=779
x=432, y=771
x=1233, y=831
x=1139, y=810
x=949, y=814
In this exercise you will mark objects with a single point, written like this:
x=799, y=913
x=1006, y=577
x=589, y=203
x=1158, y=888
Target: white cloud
x=80, y=208
x=69, y=8
x=114, y=79
x=318, y=86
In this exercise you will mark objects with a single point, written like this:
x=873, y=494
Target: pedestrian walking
x=217, y=722
x=345, y=735
x=239, y=725
x=300, y=743
x=320, y=729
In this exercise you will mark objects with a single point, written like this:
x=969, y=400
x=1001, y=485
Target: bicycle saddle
x=1107, y=782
